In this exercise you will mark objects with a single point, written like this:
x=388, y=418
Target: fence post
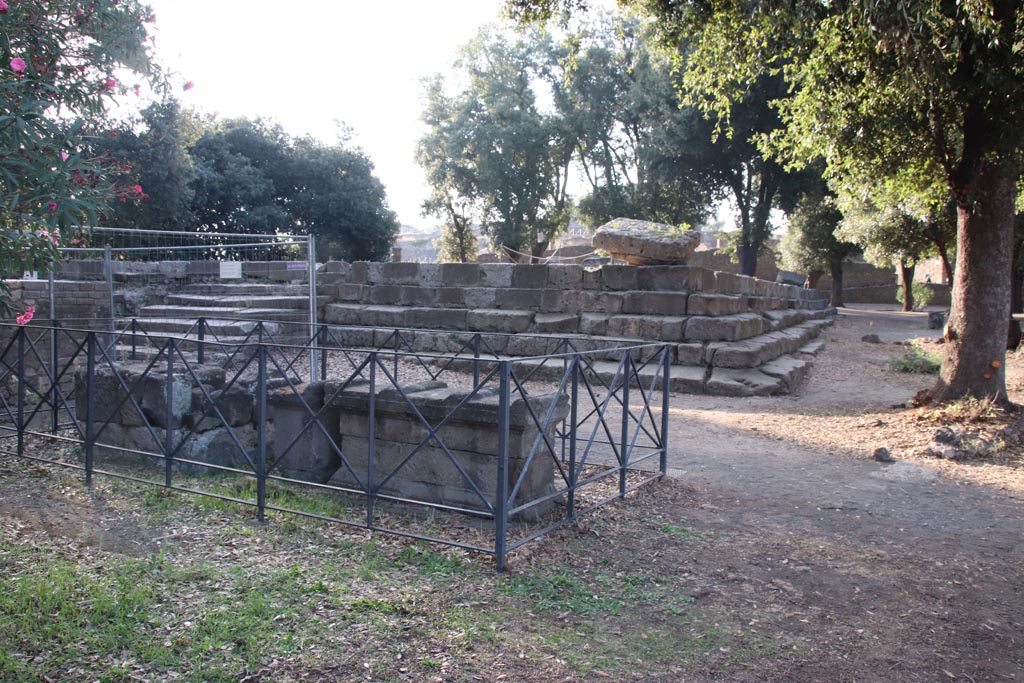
x=90, y=401
x=108, y=268
x=627, y=364
x=476, y=360
x=371, y=492
x=313, y=313
x=574, y=398
x=21, y=332
x=322, y=332
x=201, y=349
x=135, y=343
x=501, y=485
x=169, y=414
x=54, y=393
x=665, y=386
x=261, y=422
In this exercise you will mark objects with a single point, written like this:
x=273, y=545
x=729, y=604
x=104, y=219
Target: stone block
x=685, y=379
x=360, y=273
x=630, y=326
x=344, y=314
x=724, y=328
x=461, y=274
x=548, y=323
x=222, y=446
x=519, y=299
x=592, y=279
x=645, y=242
x=655, y=303
x=479, y=297
x=729, y=382
x=665, y=278
x=529, y=345
x=664, y=328
x=563, y=276
x=350, y=292
x=789, y=370
x=417, y=296
x=601, y=302
x=338, y=267
x=384, y=316
x=690, y=354
x=529, y=276
x=437, y=318
x=560, y=301
x=727, y=283
x=304, y=445
x=594, y=324
x=399, y=273
x=429, y=275
x=495, y=274
x=387, y=295
x=450, y=296
x=715, y=304
x=620, y=278
x=235, y=404
x=490, y=320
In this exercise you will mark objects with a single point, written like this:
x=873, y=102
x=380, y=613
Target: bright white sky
x=310, y=63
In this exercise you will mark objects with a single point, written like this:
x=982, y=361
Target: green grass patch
x=916, y=362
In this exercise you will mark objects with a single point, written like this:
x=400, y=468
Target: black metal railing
x=527, y=444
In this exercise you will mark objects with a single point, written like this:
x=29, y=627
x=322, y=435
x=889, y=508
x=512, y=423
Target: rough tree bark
x=981, y=290
x=907, y=282
x=835, y=266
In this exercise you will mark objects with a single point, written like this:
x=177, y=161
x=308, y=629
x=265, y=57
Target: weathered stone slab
x=521, y=299
x=302, y=446
x=715, y=304
x=690, y=354
x=730, y=382
x=620, y=278
x=479, y=297
x=646, y=243
x=655, y=303
x=594, y=324
x=344, y=314
x=490, y=320
x=788, y=369
x=665, y=278
x=724, y=328
x=546, y=323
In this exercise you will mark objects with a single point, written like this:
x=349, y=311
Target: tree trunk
x=975, y=360
x=835, y=265
x=1016, y=303
x=907, y=282
x=747, y=254
x=947, y=267
x=813, y=277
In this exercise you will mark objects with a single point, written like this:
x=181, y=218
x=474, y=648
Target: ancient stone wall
x=656, y=303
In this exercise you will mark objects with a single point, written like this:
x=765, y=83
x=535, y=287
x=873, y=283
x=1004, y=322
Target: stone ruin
x=301, y=450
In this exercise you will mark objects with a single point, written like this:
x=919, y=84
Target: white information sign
x=230, y=270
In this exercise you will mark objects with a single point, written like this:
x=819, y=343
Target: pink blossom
x=18, y=66
x=52, y=206
x=188, y=86
x=3, y=7
x=111, y=83
x=25, y=317
x=79, y=12
x=63, y=156
x=137, y=189
x=137, y=89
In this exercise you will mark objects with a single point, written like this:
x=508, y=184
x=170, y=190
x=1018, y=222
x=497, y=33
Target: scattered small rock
x=955, y=454
x=946, y=436
x=882, y=454
x=871, y=339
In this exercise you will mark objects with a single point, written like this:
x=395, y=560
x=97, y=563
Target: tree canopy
x=924, y=94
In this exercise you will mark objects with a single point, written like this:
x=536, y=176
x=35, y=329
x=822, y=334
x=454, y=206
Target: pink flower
x=63, y=156
x=52, y=206
x=188, y=86
x=3, y=7
x=25, y=317
x=18, y=66
x=111, y=83
x=79, y=12
x=137, y=89
x=137, y=189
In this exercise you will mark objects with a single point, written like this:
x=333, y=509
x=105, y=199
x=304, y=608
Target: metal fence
x=385, y=433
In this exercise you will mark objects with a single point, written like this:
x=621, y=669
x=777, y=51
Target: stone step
x=221, y=328
x=753, y=352
x=232, y=289
x=238, y=301
x=466, y=320
x=214, y=312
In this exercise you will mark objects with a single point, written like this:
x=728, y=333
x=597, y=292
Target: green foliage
x=916, y=362
x=921, y=293
x=59, y=65
x=811, y=242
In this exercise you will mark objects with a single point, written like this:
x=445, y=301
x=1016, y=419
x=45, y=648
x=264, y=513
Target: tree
x=890, y=236
x=252, y=177
x=924, y=93
x=153, y=148
x=491, y=154
x=811, y=243
x=59, y=65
